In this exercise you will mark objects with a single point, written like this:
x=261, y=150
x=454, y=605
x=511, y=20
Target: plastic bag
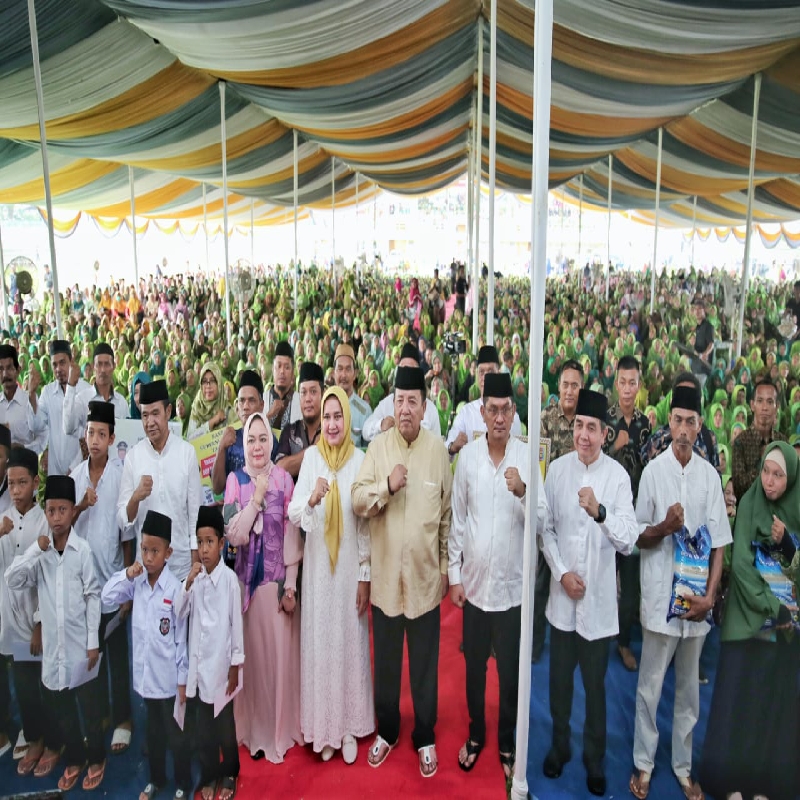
x=780, y=584
x=690, y=576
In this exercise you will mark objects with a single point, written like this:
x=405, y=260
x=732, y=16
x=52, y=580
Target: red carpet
x=304, y=775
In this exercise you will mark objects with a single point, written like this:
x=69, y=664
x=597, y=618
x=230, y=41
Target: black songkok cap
x=59, y=487
x=153, y=392
x=409, y=378
x=409, y=351
x=488, y=355
x=250, y=377
x=497, y=384
x=100, y=411
x=686, y=398
x=210, y=517
x=156, y=524
x=8, y=351
x=60, y=346
x=22, y=457
x=284, y=349
x=5, y=436
x=310, y=371
x=591, y=404
x=103, y=349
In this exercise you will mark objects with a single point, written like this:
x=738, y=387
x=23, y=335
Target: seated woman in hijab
x=210, y=408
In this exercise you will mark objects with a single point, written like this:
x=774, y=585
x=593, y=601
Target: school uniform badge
x=164, y=626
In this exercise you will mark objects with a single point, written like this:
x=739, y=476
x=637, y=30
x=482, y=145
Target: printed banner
x=206, y=446
x=128, y=432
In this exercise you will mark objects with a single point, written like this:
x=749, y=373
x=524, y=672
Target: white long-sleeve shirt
x=574, y=542
x=488, y=525
x=372, y=427
x=698, y=489
x=176, y=493
x=213, y=605
x=14, y=414
x=64, y=451
x=160, y=658
x=76, y=407
x=18, y=609
x=69, y=604
x=469, y=422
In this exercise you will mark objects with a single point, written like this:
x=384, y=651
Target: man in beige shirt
x=403, y=487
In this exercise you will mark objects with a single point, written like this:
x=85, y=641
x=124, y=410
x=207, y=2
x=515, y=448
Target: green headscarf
x=202, y=409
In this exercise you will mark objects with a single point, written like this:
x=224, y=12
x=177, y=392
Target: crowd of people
x=367, y=464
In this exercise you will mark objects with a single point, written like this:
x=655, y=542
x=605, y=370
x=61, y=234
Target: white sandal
x=21, y=747
x=376, y=749
x=349, y=749
x=427, y=757
x=121, y=739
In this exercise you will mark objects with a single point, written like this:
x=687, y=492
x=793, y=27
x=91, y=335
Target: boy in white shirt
x=21, y=527
x=212, y=600
x=160, y=662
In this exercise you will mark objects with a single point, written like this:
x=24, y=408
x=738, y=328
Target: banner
x=128, y=432
x=206, y=446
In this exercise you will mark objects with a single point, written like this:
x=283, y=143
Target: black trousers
x=116, y=664
x=482, y=630
x=64, y=724
x=541, y=595
x=423, y=672
x=28, y=688
x=568, y=650
x=5, y=696
x=629, y=595
x=213, y=735
x=162, y=733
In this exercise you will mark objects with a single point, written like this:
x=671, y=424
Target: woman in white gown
x=336, y=702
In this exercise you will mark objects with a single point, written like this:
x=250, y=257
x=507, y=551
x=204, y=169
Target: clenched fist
x=90, y=498
x=514, y=482
x=196, y=569
x=144, y=489
x=588, y=502
x=573, y=585
x=320, y=490
x=673, y=522
x=260, y=492
x=458, y=442
x=398, y=478
x=778, y=529
x=134, y=570
x=6, y=527
x=44, y=543
x=228, y=438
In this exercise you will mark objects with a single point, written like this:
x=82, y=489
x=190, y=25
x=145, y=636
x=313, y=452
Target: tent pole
x=294, y=203
x=749, y=228
x=358, y=248
x=3, y=282
x=252, y=233
x=655, y=228
x=542, y=87
x=694, y=225
x=608, y=215
x=492, y=169
x=470, y=203
x=333, y=226
x=223, y=137
x=48, y=197
x=476, y=181
x=133, y=228
x=205, y=228
x=580, y=214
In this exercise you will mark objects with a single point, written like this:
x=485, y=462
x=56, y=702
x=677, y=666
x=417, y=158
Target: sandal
x=428, y=763
x=29, y=761
x=640, y=785
x=209, y=791
x=93, y=779
x=21, y=747
x=149, y=792
x=691, y=789
x=46, y=763
x=379, y=751
x=70, y=777
x=227, y=785
x=471, y=750
x=121, y=740
x=507, y=761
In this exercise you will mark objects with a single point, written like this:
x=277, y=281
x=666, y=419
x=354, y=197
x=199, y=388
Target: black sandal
x=507, y=761
x=473, y=749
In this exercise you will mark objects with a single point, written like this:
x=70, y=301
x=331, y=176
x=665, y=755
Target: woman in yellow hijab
x=336, y=703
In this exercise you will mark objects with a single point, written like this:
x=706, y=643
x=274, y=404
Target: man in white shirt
x=485, y=563
x=469, y=420
x=678, y=489
x=344, y=374
x=382, y=418
x=591, y=519
x=161, y=474
x=76, y=405
x=45, y=413
x=14, y=403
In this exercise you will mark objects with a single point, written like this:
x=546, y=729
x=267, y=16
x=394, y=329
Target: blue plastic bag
x=769, y=566
x=690, y=576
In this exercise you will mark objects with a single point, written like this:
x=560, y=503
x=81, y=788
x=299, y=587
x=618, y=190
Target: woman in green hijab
x=210, y=409
x=751, y=741
x=443, y=406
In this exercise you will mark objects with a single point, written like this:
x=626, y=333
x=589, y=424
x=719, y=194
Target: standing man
x=469, y=420
x=678, y=489
x=161, y=474
x=703, y=341
x=403, y=488
x=299, y=436
x=591, y=519
x=627, y=432
x=344, y=374
x=557, y=425
x=280, y=400
x=14, y=403
x=382, y=418
x=461, y=290
x=749, y=446
x=45, y=414
x=485, y=567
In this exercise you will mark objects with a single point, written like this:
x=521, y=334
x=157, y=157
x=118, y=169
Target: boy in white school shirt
x=97, y=481
x=61, y=567
x=160, y=662
x=212, y=599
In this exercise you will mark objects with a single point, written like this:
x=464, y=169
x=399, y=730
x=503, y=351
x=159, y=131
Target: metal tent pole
x=694, y=225
x=294, y=204
x=608, y=231
x=223, y=137
x=492, y=169
x=655, y=227
x=580, y=215
x=205, y=228
x=478, y=267
x=133, y=228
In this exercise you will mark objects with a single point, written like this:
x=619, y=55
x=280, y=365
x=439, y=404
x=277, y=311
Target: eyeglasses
x=498, y=411
x=208, y=382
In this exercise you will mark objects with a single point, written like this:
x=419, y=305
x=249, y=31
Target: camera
x=454, y=344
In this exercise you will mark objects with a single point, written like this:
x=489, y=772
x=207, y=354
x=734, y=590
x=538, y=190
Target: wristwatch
x=601, y=514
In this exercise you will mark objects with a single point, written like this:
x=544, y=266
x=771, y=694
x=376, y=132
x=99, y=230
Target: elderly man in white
x=591, y=519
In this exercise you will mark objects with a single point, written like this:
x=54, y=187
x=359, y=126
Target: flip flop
x=28, y=764
x=120, y=741
x=690, y=789
x=46, y=763
x=473, y=749
x=70, y=777
x=93, y=779
x=228, y=784
x=428, y=761
x=640, y=785
x=507, y=761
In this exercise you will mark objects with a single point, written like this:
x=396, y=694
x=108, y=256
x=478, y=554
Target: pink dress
x=269, y=549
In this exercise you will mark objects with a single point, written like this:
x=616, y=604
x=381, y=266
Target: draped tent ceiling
x=388, y=88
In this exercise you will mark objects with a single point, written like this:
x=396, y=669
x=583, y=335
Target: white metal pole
x=133, y=227
x=252, y=233
x=580, y=214
x=543, y=44
x=477, y=269
x=608, y=231
x=294, y=204
x=694, y=225
x=470, y=203
x=655, y=226
x=333, y=227
x=358, y=241
x=205, y=229
x=223, y=137
x=48, y=198
x=749, y=228
x=4, y=305
x=492, y=169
